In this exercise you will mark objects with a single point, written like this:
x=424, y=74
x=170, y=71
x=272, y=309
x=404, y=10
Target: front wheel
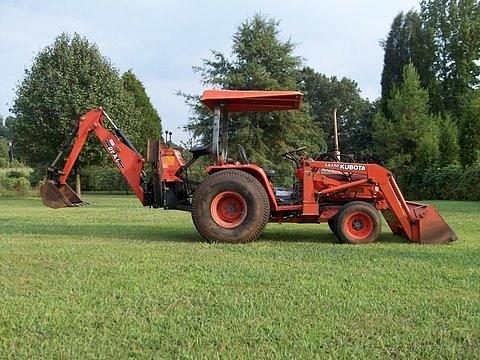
x=331, y=225
x=230, y=206
x=358, y=223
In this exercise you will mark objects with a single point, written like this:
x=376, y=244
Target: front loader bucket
x=429, y=227
x=59, y=196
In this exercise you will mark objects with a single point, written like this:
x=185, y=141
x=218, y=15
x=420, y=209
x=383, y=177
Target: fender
x=253, y=170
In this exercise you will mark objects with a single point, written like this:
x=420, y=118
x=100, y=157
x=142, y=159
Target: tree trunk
x=78, y=187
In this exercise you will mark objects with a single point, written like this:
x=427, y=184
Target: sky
x=161, y=40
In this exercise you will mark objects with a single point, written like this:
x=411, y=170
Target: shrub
x=36, y=176
x=17, y=186
x=469, y=185
x=6, y=164
x=21, y=186
x=5, y=183
x=15, y=174
x=447, y=183
x=97, y=178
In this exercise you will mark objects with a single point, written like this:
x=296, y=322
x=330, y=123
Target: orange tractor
x=237, y=199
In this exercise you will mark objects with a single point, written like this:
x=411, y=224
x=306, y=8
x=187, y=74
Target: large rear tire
x=357, y=223
x=230, y=206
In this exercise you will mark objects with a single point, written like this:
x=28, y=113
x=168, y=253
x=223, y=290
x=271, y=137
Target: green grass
x=115, y=280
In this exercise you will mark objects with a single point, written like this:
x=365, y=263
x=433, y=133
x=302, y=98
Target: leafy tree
x=3, y=129
x=3, y=148
x=409, y=41
x=67, y=78
x=6, y=127
x=409, y=137
x=151, y=126
x=354, y=114
x=260, y=60
x=448, y=142
x=455, y=25
x=470, y=130
x=396, y=56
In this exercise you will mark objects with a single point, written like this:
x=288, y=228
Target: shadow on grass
x=110, y=231
x=297, y=233
x=171, y=233
x=390, y=238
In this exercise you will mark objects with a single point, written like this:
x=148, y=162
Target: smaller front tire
x=357, y=223
x=331, y=225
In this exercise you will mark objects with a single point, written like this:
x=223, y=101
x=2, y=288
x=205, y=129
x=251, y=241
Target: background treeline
x=425, y=127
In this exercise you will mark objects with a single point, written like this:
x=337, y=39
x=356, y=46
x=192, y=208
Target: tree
x=148, y=116
x=455, y=25
x=260, y=60
x=3, y=149
x=470, y=130
x=4, y=140
x=3, y=128
x=395, y=57
x=67, y=78
x=6, y=128
x=409, y=137
x=409, y=41
x=448, y=142
x=354, y=114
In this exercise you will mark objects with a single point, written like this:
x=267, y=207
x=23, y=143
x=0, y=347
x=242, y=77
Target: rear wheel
x=230, y=206
x=358, y=223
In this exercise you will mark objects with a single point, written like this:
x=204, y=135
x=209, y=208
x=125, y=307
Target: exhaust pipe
x=59, y=196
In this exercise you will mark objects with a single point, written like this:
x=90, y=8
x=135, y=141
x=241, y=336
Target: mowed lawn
x=115, y=280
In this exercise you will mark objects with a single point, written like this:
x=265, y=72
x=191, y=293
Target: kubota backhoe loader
x=237, y=199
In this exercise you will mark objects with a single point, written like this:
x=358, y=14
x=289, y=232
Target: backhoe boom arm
x=121, y=151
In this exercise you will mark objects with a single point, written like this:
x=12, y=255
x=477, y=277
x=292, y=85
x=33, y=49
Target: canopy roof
x=243, y=101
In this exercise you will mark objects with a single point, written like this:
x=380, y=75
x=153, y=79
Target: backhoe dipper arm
x=121, y=151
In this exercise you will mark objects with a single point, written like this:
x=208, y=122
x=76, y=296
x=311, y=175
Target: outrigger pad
x=59, y=196
x=431, y=226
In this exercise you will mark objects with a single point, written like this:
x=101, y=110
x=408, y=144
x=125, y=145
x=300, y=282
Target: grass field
x=115, y=280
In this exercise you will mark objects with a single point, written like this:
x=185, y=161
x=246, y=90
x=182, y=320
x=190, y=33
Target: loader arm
x=414, y=221
x=124, y=155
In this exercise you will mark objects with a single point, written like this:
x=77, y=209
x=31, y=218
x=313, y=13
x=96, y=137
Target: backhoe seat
x=242, y=155
x=244, y=160
x=200, y=150
x=270, y=173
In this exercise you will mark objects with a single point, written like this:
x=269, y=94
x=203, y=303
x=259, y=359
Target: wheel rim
x=359, y=226
x=228, y=209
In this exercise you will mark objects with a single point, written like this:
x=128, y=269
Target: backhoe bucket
x=59, y=196
x=429, y=227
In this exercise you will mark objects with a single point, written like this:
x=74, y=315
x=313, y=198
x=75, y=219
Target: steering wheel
x=328, y=156
x=332, y=157
x=292, y=152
